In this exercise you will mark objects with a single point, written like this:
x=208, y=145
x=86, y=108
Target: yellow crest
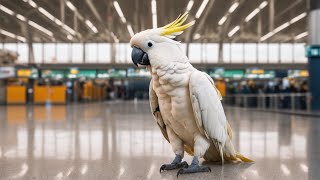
x=176, y=28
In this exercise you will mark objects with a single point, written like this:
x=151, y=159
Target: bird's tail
x=243, y=158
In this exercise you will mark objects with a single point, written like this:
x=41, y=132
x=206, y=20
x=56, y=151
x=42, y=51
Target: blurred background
x=66, y=74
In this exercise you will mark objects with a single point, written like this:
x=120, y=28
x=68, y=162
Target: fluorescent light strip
x=91, y=26
x=6, y=10
x=52, y=18
x=263, y=5
x=201, y=8
x=130, y=30
x=37, y=26
x=69, y=37
x=297, y=18
x=46, y=13
x=119, y=11
x=71, y=6
x=197, y=36
x=31, y=23
x=74, y=9
x=116, y=40
x=190, y=4
x=252, y=14
x=302, y=35
x=22, y=18
x=22, y=39
x=222, y=20
x=69, y=29
x=233, y=7
x=11, y=35
x=154, y=13
x=32, y=3
x=280, y=28
x=256, y=11
x=283, y=26
x=6, y=33
x=233, y=31
x=263, y=38
x=58, y=22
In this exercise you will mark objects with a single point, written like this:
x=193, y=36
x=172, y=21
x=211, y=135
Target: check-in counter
x=16, y=94
x=58, y=94
x=50, y=94
x=41, y=94
x=221, y=86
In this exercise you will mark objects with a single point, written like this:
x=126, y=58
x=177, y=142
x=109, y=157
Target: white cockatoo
x=184, y=101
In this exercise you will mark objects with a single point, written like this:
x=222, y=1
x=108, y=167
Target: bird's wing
x=155, y=110
x=208, y=110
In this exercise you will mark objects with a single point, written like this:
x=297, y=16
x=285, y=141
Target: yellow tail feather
x=242, y=158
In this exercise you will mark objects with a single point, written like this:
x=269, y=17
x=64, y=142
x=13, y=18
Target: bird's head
x=156, y=46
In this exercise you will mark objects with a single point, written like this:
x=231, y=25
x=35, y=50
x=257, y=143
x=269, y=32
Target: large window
x=226, y=53
x=129, y=49
x=263, y=53
x=23, y=53
x=250, y=53
x=77, y=52
x=10, y=47
x=299, y=53
x=286, y=51
x=63, y=53
x=236, y=53
x=211, y=53
x=91, y=53
x=104, y=53
x=50, y=53
x=38, y=52
x=273, y=53
x=198, y=52
x=122, y=54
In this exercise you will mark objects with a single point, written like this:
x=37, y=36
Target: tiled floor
x=120, y=140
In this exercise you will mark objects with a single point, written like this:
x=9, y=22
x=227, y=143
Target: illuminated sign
x=298, y=73
x=27, y=73
x=313, y=51
x=24, y=72
x=56, y=74
x=221, y=73
x=7, y=72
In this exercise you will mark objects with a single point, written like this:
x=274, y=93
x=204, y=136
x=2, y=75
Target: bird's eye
x=149, y=44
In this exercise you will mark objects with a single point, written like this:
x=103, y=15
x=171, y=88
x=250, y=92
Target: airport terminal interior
x=74, y=105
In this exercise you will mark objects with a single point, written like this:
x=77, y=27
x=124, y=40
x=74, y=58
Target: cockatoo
x=184, y=101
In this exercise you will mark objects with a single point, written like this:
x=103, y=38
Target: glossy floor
x=120, y=140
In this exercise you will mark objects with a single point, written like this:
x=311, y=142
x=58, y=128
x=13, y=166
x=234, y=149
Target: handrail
x=289, y=101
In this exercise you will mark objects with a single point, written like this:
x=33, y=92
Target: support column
x=314, y=53
x=271, y=15
x=62, y=10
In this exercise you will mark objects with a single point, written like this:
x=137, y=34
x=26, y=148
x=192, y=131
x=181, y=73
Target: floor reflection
x=120, y=140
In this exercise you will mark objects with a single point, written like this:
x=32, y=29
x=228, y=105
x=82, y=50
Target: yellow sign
x=74, y=71
x=304, y=73
x=24, y=72
x=257, y=71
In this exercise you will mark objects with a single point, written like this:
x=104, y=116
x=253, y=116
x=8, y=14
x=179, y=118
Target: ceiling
x=98, y=20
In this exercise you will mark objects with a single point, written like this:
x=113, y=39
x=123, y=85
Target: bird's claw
x=172, y=166
x=193, y=169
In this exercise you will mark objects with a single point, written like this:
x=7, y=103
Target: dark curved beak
x=139, y=57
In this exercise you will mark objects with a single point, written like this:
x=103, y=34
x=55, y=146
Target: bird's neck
x=174, y=67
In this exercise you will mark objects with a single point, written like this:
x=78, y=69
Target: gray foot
x=176, y=164
x=194, y=168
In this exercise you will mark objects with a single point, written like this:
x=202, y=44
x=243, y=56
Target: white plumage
x=184, y=101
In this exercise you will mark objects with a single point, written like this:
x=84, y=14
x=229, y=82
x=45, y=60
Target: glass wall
x=198, y=52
